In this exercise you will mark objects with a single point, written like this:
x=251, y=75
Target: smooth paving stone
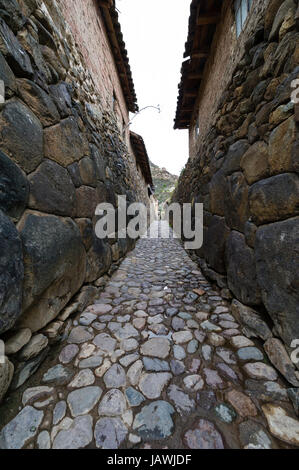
x=192, y=346
x=193, y=382
x=135, y=372
x=170, y=312
x=87, y=350
x=225, y=413
x=213, y=379
x=44, y=441
x=31, y=395
x=58, y=375
x=227, y=372
x=185, y=316
x=195, y=365
x=82, y=401
x=129, y=345
x=293, y=394
x=91, y=362
x=105, y=342
x=79, y=335
x=155, y=365
x=250, y=354
x=112, y=404
x=115, y=377
x=100, y=309
x=266, y=391
x=182, y=337
x=259, y=370
x=78, y=436
x=207, y=352
x=134, y=397
x=228, y=325
x=178, y=324
x=226, y=355
x=155, y=320
x=208, y=326
x=206, y=399
x=281, y=425
x=182, y=401
x=241, y=342
x=203, y=435
x=68, y=353
x=152, y=385
x=16, y=342
x=179, y=352
x=22, y=428
x=83, y=379
x=156, y=347
x=154, y=422
x=177, y=367
x=129, y=359
x=59, y=412
x=87, y=318
x=126, y=332
x=110, y=433
x=141, y=314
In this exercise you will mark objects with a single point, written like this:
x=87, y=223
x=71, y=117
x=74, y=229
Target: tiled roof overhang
x=204, y=16
x=113, y=29
x=141, y=155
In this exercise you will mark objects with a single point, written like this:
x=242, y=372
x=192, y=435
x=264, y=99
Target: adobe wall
x=61, y=153
x=245, y=170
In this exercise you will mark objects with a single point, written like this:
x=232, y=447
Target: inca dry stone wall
x=61, y=154
x=246, y=174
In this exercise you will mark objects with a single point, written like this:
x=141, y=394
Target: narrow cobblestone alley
x=158, y=362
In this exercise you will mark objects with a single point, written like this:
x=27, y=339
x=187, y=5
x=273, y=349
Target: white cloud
x=155, y=32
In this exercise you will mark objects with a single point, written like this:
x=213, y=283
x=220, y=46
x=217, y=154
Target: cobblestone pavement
x=157, y=362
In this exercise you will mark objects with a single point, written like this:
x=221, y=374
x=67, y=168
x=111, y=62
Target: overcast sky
x=155, y=32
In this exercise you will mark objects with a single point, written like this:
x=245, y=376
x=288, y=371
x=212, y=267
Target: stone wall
x=62, y=152
x=245, y=168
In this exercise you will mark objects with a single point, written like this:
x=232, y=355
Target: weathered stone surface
x=215, y=247
x=84, y=378
x=254, y=436
x=241, y=270
x=134, y=397
x=177, y=367
x=64, y=142
x=27, y=369
x=31, y=395
x=14, y=188
x=234, y=156
x=241, y=342
x=79, y=335
x=105, y=342
x=11, y=273
x=87, y=171
x=54, y=270
x=22, y=135
x=204, y=435
x=59, y=412
x=281, y=425
x=22, y=428
x=277, y=273
x=91, y=362
x=35, y=346
x=57, y=375
x=152, y=385
x=279, y=357
x=281, y=141
x=182, y=337
x=236, y=201
x=182, y=402
x=6, y=74
x=113, y=404
x=251, y=321
x=115, y=377
x=259, y=370
x=154, y=422
x=254, y=162
x=78, y=436
x=134, y=372
x=286, y=6
x=250, y=354
x=14, y=53
x=52, y=190
x=98, y=260
x=242, y=404
x=193, y=382
x=82, y=401
x=6, y=374
x=225, y=413
x=44, y=441
x=274, y=199
x=68, y=353
x=39, y=102
x=110, y=433
x=155, y=365
x=17, y=341
x=293, y=394
x=156, y=347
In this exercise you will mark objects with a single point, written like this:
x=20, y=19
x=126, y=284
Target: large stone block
x=274, y=198
x=55, y=266
x=11, y=274
x=87, y=170
x=6, y=375
x=61, y=95
x=218, y=189
x=254, y=162
x=214, y=249
x=241, y=270
x=286, y=7
x=277, y=261
x=39, y=102
x=233, y=157
x=99, y=259
x=281, y=142
x=52, y=190
x=87, y=201
x=11, y=13
x=64, y=142
x=14, y=53
x=21, y=135
x=6, y=74
x=14, y=188
x=236, y=202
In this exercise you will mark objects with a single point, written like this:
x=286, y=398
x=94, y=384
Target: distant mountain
x=164, y=182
